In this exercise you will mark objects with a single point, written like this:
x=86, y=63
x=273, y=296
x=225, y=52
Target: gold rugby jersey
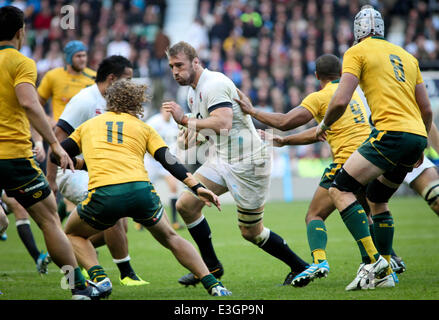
x=388, y=76
x=15, y=135
x=114, y=146
x=61, y=86
x=348, y=132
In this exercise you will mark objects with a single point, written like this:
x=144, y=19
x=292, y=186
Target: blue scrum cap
x=71, y=48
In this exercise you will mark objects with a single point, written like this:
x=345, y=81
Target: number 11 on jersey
x=119, y=125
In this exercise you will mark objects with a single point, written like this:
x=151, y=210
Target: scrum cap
x=368, y=21
x=71, y=48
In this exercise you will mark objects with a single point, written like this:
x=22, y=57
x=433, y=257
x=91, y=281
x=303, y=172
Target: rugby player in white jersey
x=167, y=128
x=241, y=163
x=87, y=104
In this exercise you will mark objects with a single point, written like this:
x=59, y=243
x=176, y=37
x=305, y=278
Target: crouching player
x=113, y=145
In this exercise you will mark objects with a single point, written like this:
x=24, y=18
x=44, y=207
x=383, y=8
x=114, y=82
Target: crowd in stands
x=266, y=47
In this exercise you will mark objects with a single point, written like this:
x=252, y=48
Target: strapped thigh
x=431, y=192
x=249, y=219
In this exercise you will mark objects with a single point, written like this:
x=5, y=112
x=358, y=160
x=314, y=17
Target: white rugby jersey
x=215, y=90
x=168, y=130
x=86, y=104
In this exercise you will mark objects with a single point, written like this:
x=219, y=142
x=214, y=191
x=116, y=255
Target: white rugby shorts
x=73, y=185
x=416, y=172
x=248, y=182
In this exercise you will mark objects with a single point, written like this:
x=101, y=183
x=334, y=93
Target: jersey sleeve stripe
x=65, y=126
x=226, y=104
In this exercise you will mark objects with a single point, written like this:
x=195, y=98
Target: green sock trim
x=79, y=279
x=97, y=273
x=209, y=281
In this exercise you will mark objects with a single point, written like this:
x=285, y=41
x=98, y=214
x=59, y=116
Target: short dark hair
x=11, y=20
x=112, y=65
x=184, y=47
x=328, y=67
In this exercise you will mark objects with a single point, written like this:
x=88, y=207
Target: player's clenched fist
x=176, y=111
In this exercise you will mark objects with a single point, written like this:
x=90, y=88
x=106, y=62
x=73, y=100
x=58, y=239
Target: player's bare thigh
x=189, y=206
x=361, y=169
x=45, y=213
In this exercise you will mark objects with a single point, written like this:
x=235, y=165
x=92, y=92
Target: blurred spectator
x=232, y=68
x=277, y=99
x=294, y=98
x=53, y=59
x=43, y=17
x=198, y=37
x=141, y=65
x=119, y=46
x=262, y=102
x=215, y=62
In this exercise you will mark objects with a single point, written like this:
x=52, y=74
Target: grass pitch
x=250, y=273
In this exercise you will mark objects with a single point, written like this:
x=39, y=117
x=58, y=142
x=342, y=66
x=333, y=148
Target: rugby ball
x=200, y=137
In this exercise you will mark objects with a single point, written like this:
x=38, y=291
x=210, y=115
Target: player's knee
x=247, y=234
x=181, y=206
x=188, y=205
x=333, y=192
x=378, y=192
x=122, y=225
x=255, y=236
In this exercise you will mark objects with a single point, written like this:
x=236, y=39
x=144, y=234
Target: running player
x=114, y=145
x=88, y=103
x=392, y=84
x=20, y=176
x=241, y=164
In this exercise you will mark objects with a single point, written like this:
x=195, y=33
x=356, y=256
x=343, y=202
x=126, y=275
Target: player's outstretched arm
x=179, y=171
x=28, y=99
x=283, y=121
x=302, y=138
